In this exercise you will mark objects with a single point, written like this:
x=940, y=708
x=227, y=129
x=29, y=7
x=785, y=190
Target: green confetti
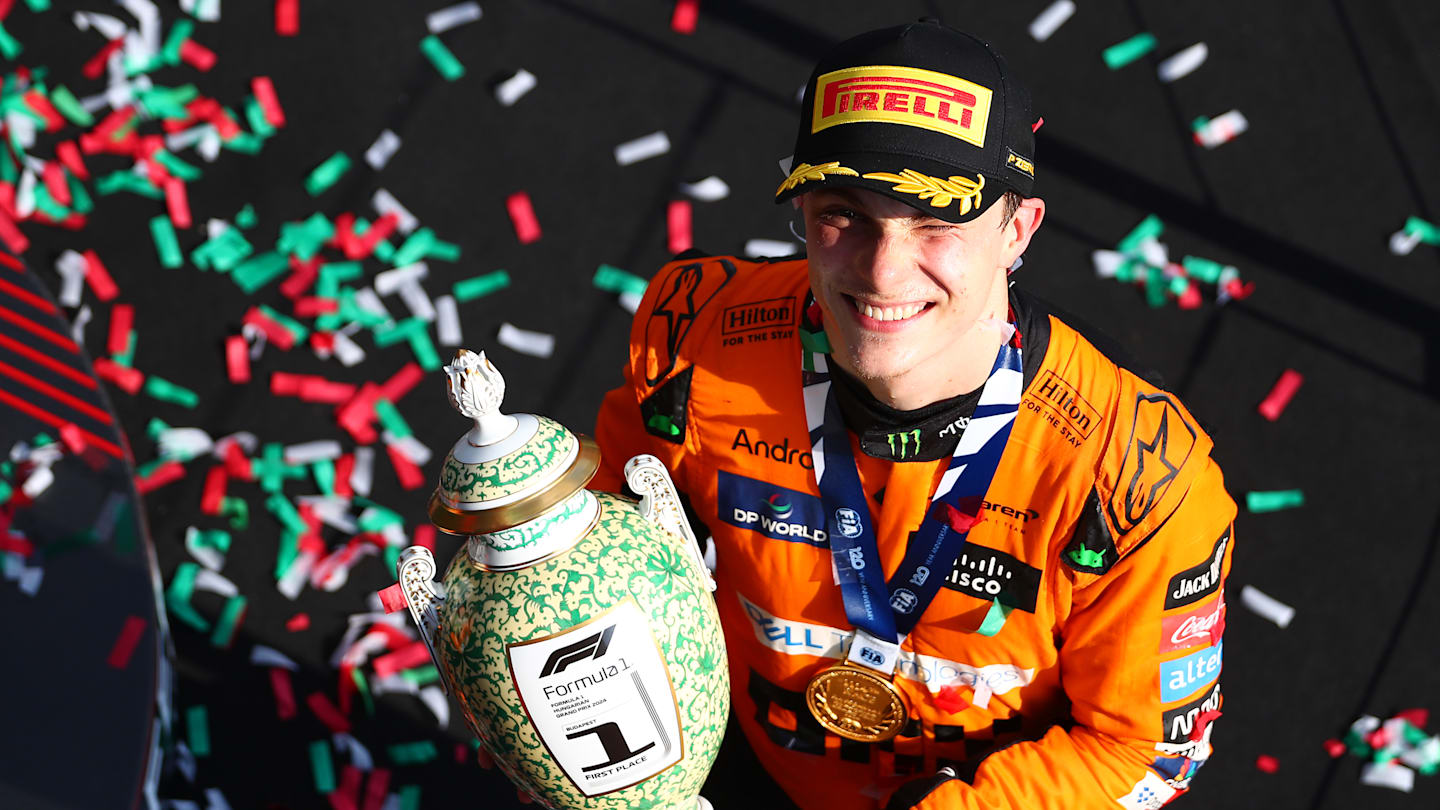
x=1155, y=287
x=197, y=725
x=226, y=251
x=410, y=797
x=322, y=767
x=245, y=143
x=420, y=676
x=177, y=167
x=246, y=218
x=1205, y=270
x=362, y=686
x=10, y=47
x=1428, y=232
x=327, y=174
x=254, y=273
x=441, y=57
x=304, y=239
x=412, y=753
x=424, y=350
x=255, y=116
x=1149, y=228
x=166, y=243
x=403, y=330
x=1274, y=501
x=391, y=419
x=166, y=391
x=615, y=280
x=48, y=205
x=288, y=552
x=376, y=518
x=817, y=342
x=179, y=32
x=237, y=510
x=444, y=251
x=1178, y=286
x=178, y=595
x=994, y=618
x=38, y=6
x=230, y=619
x=128, y=181
x=415, y=248
x=478, y=286
x=291, y=325
x=285, y=512
x=1123, y=53
x=127, y=357
x=324, y=473
x=81, y=198
x=70, y=107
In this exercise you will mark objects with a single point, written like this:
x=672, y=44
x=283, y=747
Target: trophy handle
x=416, y=573
x=660, y=505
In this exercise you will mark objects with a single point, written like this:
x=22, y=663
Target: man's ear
x=1021, y=228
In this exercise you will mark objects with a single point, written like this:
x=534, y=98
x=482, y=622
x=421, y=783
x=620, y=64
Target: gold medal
x=856, y=703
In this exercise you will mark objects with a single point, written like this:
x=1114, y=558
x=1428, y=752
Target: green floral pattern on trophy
x=625, y=556
x=529, y=533
x=511, y=473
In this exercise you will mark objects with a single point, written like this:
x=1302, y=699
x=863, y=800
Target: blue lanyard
x=889, y=611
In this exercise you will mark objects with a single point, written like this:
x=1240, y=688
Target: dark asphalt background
x=1343, y=99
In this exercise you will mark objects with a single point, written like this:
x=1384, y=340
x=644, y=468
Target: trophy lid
x=509, y=468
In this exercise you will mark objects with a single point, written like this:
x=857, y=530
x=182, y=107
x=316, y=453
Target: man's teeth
x=888, y=313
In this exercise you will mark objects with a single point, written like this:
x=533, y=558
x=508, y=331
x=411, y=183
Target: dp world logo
x=779, y=507
x=847, y=522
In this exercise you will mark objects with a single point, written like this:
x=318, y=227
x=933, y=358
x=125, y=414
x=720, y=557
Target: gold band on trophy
x=856, y=703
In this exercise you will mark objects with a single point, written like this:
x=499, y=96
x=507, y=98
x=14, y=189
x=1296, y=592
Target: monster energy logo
x=903, y=441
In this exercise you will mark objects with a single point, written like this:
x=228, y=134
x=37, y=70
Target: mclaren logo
x=1160, y=443
x=684, y=291
x=583, y=650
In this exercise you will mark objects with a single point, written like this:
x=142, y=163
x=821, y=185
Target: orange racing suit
x=1106, y=535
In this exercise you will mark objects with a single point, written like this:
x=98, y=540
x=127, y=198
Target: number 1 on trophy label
x=601, y=699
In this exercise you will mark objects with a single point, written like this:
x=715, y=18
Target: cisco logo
x=987, y=574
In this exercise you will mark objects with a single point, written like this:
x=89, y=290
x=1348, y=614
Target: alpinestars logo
x=583, y=650
x=904, y=445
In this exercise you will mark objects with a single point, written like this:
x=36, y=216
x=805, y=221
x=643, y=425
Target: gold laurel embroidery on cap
x=939, y=191
x=805, y=172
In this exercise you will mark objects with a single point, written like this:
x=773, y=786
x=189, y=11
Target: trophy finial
x=476, y=389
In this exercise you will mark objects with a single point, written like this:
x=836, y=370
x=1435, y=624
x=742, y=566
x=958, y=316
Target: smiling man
x=966, y=557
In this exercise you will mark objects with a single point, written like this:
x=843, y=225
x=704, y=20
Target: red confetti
x=99, y=278
x=425, y=536
x=312, y=306
x=409, y=475
x=376, y=789
x=236, y=464
x=177, y=203
x=1280, y=396
x=1039, y=122
x=285, y=384
x=122, y=320
x=1415, y=717
x=319, y=389
x=214, y=493
x=287, y=17
x=284, y=693
x=954, y=518
x=128, y=379
x=197, y=56
x=14, y=543
x=677, y=218
x=343, y=467
x=411, y=655
x=1267, y=763
x=462, y=753
x=1191, y=299
x=302, y=275
x=237, y=359
x=96, y=66
x=274, y=332
x=130, y=634
x=1334, y=748
x=365, y=245
x=1238, y=291
x=167, y=473
x=55, y=183
x=298, y=623
x=400, y=383
x=73, y=438
x=264, y=91
x=11, y=235
x=69, y=155
x=522, y=214
x=392, y=599
x=682, y=19
x=347, y=796
x=328, y=714
x=948, y=699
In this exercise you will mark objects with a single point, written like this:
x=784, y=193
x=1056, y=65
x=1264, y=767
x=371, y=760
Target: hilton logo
x=758, y=315
x=1058, y=397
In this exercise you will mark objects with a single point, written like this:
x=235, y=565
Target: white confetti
x=363, y=474
x=207, y=580
x=359, y=754
x=389, y=281
x=183, y=444
x=149, y=17
x=1049, y=21
x=1155, y=253
x=452, y=16
x=434, y=698
x=710, y=189
x=1107, y=262
x=263, y=656
x=385, y=203
x=447, y=321
x=77, y=326
x=1183, y=63
x=642, y=148
x=71, y=267
x=510, y=91
x=1267, y=606
x=384, y=148
x=535, y=344
x=411, y=448
x=211, y=558
x=366, y=299
x=347, y=350
x=312, y=451
x=1225, y=127
x=417, y=301
x=1401, y=242
x=105, y=25
x=216, y=800
x=1390, y=774
x=631, y=301
x=769, y=247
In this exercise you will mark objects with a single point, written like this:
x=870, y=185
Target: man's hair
x=1011, y=201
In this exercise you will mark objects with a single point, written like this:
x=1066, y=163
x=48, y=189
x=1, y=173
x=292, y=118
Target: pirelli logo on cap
x=901, y=95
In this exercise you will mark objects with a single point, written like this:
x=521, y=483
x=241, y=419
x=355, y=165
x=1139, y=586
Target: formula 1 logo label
x=1160, y=443
x=599, y=695
x=682, y=293
x=774, y=511
x=900, y=95
x=987, y=574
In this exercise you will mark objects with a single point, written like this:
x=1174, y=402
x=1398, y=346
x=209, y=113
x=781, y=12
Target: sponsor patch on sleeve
x=1150, y=793
x=1161, y=441
x=682, y=292
x=1196, y=583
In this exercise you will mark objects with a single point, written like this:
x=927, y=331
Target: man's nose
x=888, y=260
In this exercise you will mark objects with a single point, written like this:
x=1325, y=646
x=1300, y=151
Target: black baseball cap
x=921, y=112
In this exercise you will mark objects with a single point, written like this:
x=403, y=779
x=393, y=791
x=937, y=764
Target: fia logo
x=921, y=574
x=900, y=443
x=903, y=600
x=872, y=656
x=847, y=520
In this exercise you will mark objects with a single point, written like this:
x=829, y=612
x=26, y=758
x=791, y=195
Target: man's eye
x=838, y=213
